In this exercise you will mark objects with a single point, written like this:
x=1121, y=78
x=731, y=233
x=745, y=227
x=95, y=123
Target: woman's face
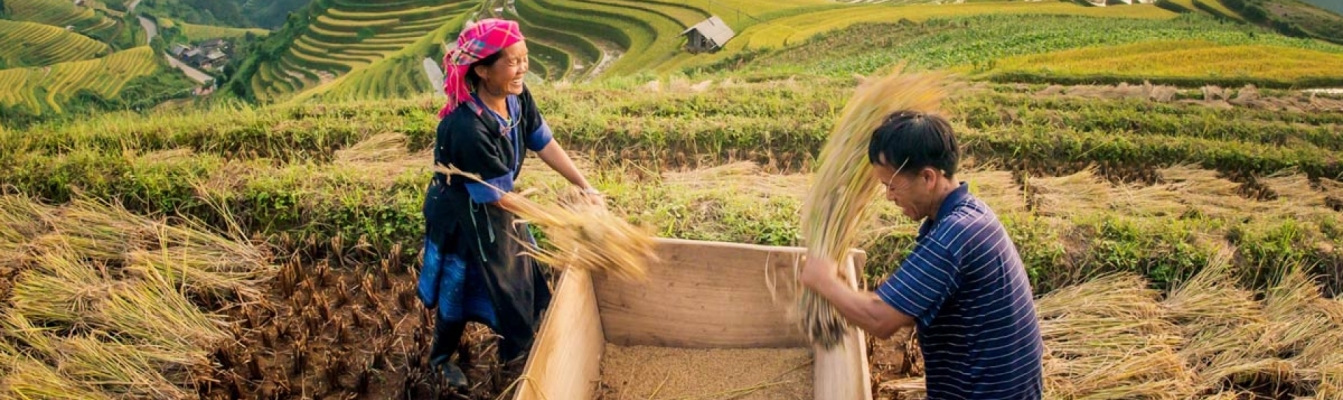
x=505, y=76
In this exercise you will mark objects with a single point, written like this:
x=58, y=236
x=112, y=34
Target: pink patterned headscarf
x=484, y=38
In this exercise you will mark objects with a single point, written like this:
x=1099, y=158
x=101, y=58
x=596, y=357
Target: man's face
x=910, y=191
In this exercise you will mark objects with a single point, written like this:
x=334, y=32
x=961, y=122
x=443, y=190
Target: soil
x=347, y=333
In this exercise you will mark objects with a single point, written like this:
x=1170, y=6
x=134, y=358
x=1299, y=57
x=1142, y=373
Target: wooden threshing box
x=699, y=295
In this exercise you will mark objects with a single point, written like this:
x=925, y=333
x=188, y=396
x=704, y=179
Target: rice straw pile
x=102, y=307
x=1107, y=339
x=837, y=204
x=582, y=235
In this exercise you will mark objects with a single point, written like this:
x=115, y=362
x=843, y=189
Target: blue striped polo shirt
x=966, y=286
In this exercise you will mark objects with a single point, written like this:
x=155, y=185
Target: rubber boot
x=447, y=336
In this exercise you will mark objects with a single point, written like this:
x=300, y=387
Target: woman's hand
x=594, y=197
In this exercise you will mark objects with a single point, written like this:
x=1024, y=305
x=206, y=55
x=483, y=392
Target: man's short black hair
x=915, y=140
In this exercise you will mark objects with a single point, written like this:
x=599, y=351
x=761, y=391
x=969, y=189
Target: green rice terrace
x=1169, y=172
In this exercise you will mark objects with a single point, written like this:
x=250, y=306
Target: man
x=964, y=284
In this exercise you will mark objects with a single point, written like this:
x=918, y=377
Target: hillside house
x=178, y=49
x=708, y=35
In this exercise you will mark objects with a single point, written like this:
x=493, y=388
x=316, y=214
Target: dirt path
x=435, y=75
x=130, y=8
x=610, y=53
x=151, y=29
x=194, y=74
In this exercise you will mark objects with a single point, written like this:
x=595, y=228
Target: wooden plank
x=842, y=372
x=705, y=295
x=565, y=361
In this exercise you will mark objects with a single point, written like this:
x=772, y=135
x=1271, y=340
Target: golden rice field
x=1190, y=59
x=201, y=32
x=795, y=29
x=46, y=88
x=28, y=44
x=61, y=13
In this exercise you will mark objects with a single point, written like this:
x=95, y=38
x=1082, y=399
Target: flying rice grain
x=582, y=235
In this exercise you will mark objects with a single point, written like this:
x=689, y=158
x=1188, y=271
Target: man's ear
x=929, y=176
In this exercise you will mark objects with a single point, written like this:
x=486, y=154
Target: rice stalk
x=62, y=288
x=1147, y=373
x=21, y=221
x=1080, y=193
x=202, y=272
x=1087, y=336
x=34, y=380
x=135, y=371
x=1297, y=197
x=1211, y=299
x=157, y=314
x=1117, y=295
x=378, y=160
x=1155, y=200
x=996, y=188
x=836, y=205
x=383, y=147
x=1317, y=355
x=1291, y=308
x=98, y=231
x=1205, y=191
x=1330, y=386
x=23, y=335
x=583, y=236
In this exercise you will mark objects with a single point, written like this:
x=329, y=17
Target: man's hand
x=863, y=309
x=818, y=271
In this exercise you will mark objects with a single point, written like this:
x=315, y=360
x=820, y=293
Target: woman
x=473, y=270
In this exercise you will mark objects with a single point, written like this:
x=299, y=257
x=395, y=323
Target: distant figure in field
x=473, y=270
x=964, y=284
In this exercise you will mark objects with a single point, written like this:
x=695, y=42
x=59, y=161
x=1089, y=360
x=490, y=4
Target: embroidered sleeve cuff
x=482, y=194
x=540, y=138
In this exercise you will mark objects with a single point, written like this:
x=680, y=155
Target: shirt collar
x=953, y=199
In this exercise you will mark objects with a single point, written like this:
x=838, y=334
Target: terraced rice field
x=1170, y=61
x=352, y=35
x=201, y=32
x=796, y=29
x=27, y=44
x=61, y=13
x=647, y=32
x=46, y=88
x=1213, y=7
x=398, y=75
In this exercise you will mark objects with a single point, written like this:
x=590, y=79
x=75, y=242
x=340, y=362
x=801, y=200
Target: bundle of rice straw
x=583, y=236
x=837, y=204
